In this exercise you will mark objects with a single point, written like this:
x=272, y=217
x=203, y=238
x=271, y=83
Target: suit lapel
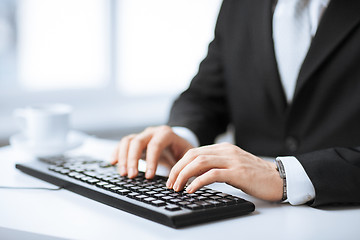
x=340, y=18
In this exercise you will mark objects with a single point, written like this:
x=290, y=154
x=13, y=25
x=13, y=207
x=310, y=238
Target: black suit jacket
x=238, y=84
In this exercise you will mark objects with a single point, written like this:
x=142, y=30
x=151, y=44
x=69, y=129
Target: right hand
x=158, y=144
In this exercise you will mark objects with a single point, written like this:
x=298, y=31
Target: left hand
x=230, y=164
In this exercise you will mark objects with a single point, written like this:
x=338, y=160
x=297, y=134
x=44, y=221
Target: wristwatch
x=281, y=170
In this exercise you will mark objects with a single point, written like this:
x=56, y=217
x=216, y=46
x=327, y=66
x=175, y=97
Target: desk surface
x=63, y=214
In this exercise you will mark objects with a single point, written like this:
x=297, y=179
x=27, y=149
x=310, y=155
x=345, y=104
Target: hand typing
x=230, y=164
x=155, y=145
x=208, y=164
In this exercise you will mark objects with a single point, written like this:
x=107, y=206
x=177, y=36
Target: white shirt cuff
x=187, y=134
x=300, y=189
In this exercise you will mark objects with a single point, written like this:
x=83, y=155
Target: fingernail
x=176, y=187
x=168, y=184
x=189, y=189
x=148, y=173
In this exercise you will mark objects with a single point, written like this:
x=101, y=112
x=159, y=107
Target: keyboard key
x=105, y=165
x=194, y=206
x=174, y=194
x=222, y=194
x=167, y=198
x=116, y=176
x=107, y=178
x=99, y=176
x=141, y=197
x=123, y=191
x=206, y=194
x=168, y=192
x=122, y=183
x=227, y=201
x=90, y=173
x=72, y=174
x=204, y=204
x=172, y=207
x=202, y=198
x=52, y=167
x=153, y=193
x=64, y=171
x=86, y=178
x=192, y=194
x=79, y=176
x=135, y=188
x=236, y=199
x=184, y=198
x=79, y=170
x=199, y=192
x=149, y=199
x=212, y=191
x=114, y=181
x=101, y=184
x=175, y=200
x=114, y=189
x=183, y=203
x=158, y=203
x=143, y=190
x=213, y=202
x=132, y=194
x=159, y=195
x=215, y=197
x=93, y=181
x=191, y=200
x=109, y=186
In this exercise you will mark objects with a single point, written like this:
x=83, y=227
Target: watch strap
x=280, y=168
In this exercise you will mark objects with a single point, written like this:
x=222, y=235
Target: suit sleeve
x=202, y=108
x=335, y=174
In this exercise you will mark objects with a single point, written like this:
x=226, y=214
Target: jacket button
x=292, y=144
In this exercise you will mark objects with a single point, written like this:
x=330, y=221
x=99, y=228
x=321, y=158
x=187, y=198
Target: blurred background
x=119, y=63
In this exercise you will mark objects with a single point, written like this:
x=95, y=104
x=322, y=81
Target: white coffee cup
x=46, y=124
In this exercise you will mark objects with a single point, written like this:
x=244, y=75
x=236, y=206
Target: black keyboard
x=149, y=199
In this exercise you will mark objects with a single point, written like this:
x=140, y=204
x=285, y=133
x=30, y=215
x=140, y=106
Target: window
x=113, y=60
x=162, y=43
x=63, y=44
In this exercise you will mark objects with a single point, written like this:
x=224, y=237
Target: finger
x=136, y=147
x=156, y=147
x=186, y=159
x=197, y=167
x=123, y=149
x=211, y=176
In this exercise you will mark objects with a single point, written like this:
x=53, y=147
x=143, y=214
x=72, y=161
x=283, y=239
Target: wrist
x=276, y=193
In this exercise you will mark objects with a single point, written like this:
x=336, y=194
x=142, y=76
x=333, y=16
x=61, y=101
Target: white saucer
x=73, y=140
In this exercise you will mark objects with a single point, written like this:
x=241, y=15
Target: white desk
x=64, y=214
